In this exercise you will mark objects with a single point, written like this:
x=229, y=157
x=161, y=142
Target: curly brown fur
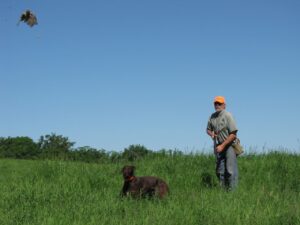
x=147, y=186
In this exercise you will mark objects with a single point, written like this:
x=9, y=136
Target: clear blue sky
x=108, y=74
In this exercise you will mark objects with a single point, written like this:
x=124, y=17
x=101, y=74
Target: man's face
x=219, y=106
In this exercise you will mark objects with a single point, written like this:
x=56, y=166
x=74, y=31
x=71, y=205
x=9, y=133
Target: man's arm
x=210, y=133
x=228, y=141
x=214, y=137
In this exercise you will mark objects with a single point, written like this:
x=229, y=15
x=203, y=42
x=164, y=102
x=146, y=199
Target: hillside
x=64, y=192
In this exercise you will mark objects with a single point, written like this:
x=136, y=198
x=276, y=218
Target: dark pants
x=226, y=168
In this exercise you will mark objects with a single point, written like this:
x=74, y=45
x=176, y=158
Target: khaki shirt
x=222, y=123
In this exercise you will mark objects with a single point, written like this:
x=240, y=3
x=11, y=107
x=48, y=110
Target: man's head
x=219, y=103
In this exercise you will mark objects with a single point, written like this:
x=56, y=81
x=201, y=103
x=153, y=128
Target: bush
x=135, y=152
x=88, y=154
x=55, y=146
x=18, y=147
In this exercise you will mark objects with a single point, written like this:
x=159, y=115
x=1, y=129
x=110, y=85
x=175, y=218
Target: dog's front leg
x=124, y=191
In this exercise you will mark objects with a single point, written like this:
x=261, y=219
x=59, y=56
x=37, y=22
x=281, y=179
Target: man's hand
x=228, y=141
x=211, y=134
x=220, y=148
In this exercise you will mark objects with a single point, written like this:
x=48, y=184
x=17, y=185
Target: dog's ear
x=132, y=169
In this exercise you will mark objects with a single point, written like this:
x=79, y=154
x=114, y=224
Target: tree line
x=59, y=147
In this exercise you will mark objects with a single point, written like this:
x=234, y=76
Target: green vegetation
x=58, y=147
x=70, y=192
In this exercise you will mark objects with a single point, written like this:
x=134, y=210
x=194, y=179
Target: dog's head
x=128, y=172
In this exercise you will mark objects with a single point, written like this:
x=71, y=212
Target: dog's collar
x=132, y=178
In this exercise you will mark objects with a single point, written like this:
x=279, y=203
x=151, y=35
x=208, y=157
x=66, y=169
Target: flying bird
x=29, y=18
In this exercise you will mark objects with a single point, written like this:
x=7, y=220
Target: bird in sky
x=29, y=18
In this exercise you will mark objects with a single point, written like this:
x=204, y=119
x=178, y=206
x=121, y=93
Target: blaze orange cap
x=220, y=99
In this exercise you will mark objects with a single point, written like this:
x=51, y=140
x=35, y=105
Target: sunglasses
x=218, y=103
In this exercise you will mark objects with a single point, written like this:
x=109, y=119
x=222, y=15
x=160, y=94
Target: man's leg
x=220, y=168
x=231, y=173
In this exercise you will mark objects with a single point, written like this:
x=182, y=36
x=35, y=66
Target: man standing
x=222, y=129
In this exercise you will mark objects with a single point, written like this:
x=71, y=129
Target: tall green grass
x=62, y=193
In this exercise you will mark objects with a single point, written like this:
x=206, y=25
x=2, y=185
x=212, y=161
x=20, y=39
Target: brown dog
x=142, y=186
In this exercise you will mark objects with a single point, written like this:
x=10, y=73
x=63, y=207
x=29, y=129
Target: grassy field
x=58, y=192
